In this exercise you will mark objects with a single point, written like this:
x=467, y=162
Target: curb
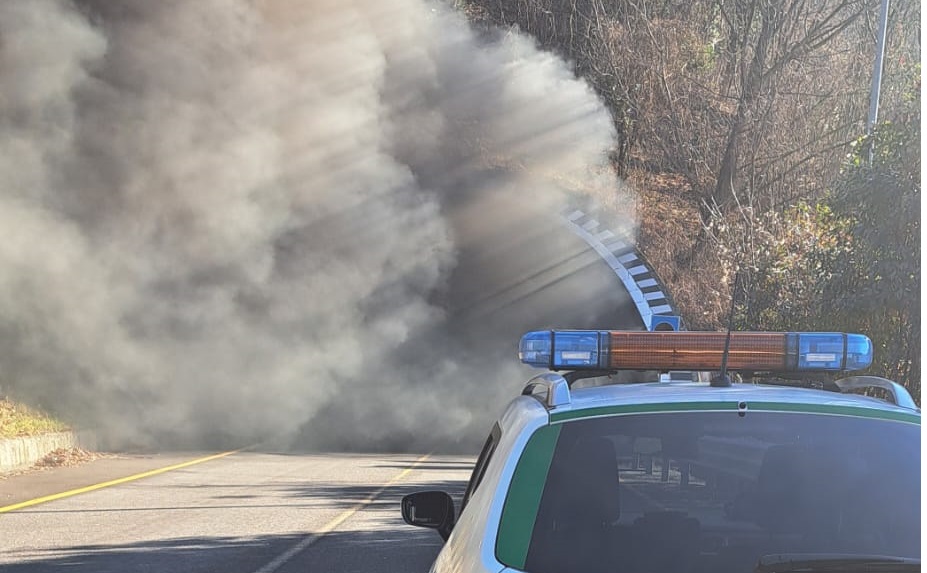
x=21, y=453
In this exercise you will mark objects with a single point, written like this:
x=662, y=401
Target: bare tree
x=766, y=38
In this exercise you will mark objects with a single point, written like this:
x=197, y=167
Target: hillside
x=742, y=131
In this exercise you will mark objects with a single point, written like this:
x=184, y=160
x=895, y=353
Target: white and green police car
x=801, y=473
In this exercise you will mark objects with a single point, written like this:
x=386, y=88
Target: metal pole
x=877, y=78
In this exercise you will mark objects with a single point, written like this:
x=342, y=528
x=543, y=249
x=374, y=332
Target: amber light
x=760, y=351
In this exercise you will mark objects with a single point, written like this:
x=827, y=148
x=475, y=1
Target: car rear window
x=711, y=491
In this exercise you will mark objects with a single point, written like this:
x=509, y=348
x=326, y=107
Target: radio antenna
x=723, y=380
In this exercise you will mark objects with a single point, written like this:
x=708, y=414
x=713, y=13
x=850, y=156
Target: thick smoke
x=225, y=220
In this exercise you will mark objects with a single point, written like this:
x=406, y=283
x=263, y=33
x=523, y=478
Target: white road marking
x=332, y=525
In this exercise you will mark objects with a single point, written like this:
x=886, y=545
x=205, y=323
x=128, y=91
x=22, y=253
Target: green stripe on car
x=752, y=406
x=641, y=409
x=524, y=496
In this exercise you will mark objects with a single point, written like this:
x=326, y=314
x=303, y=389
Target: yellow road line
x=110, y=483
x=332, y=525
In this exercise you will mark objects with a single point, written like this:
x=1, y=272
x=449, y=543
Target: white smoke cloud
x=231, y=219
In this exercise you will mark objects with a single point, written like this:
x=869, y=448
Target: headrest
x=590, y=482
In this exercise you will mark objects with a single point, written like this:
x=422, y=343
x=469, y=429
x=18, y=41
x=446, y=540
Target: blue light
x=859, y=352
x=559, y=350
x=534, y=349
x=820, y=351
x=833, y=351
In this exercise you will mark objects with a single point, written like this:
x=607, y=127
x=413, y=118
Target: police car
x=797, y=473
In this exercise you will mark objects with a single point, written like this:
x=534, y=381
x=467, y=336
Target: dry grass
x=20, y=420
x=672, y=240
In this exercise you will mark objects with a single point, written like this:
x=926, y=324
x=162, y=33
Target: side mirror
x=431, y=509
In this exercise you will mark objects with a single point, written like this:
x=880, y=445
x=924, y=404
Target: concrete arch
x=618, y=251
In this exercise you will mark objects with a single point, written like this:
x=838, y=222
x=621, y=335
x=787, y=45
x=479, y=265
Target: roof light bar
x=749, y=351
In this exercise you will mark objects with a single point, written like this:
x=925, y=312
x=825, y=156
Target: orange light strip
x=759, y=351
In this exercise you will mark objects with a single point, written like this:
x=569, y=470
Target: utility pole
x=877, y=78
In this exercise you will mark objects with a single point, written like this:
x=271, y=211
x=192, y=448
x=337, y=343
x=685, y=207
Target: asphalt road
x=247, y=512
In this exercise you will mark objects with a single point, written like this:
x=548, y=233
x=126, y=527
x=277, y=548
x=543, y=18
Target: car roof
x=594, y=401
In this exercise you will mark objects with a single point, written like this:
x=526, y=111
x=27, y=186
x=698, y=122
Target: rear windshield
x=715, y=491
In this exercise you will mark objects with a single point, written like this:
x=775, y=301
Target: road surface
x=248, y=512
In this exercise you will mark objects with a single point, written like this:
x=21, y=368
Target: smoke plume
x=225, y=220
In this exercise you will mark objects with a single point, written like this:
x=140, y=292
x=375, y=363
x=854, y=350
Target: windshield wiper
x=795, y=562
